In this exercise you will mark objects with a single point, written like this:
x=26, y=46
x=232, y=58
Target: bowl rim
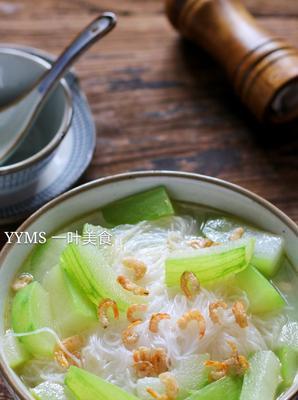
x=65, y=123
x=4, y=370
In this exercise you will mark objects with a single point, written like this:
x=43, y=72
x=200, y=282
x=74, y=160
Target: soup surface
x=147, y=299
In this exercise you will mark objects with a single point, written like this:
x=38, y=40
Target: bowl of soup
x=151, y=285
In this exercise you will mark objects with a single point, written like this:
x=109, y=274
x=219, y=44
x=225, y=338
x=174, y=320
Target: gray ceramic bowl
x=86, y=199
x=18, y=71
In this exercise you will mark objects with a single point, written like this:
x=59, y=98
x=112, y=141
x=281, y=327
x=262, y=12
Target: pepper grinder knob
x=263, y=68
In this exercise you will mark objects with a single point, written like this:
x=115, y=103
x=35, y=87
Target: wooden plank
x=128, y=7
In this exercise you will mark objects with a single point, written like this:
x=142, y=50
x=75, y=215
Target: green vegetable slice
x=31, y=311
x=289, y=335
x=289, y=366
x=211, y=263
x=49, y=391
x=15, y=353
x=269, y=248
x=102, y=238
x=148, y=205
x=191, y=374
x=86, y=386
x=77, y=313
x=87, y=267
x=262, y=379
x=45, y=256
x=262, y=295
x=225, y=388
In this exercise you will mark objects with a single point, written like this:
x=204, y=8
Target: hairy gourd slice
x=31, y=311
x=15, y=353
x=148, y=205
x=100, y=237
x=288, y=357
x=45, y=256
x=210, y=263
x=262, y=295
x=87, y=266
x=191, y=374
x=153, y=383
x=286, y=281
x=269, y=248
x=72, y=311
x=225, y=388
x=86, y=386
x=49, y=391
x=289, y=335
x=263, y=377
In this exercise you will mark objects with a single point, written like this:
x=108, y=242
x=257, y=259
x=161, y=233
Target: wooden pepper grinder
x=263, y=68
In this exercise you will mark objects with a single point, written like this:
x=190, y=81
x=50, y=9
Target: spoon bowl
x=18, y=71
x=18, y=115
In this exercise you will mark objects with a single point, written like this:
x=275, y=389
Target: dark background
x=160, y=103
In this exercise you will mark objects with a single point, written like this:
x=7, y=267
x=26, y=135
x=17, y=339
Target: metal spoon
x=17, y=117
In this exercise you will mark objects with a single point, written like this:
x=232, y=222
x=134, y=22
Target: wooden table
x=159, y=102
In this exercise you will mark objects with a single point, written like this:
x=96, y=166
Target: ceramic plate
x=69, y=163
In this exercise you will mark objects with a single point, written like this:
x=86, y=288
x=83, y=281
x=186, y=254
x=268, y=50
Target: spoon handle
x=94, y=31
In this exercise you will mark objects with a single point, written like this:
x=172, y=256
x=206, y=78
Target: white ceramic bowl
x=181, y=186
x=18, y=71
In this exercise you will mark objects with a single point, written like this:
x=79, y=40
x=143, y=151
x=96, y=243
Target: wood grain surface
x=161, y=103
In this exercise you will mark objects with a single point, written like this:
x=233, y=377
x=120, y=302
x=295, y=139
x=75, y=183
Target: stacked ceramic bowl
x=60, y=144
